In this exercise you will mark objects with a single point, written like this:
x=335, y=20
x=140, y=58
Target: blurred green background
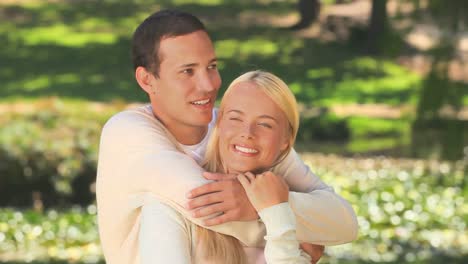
x=383, y=98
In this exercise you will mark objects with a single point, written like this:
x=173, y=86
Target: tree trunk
x=309, y=11
x=377, y=25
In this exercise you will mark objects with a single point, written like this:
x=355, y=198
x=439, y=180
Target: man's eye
x=187, y=71
x=213, y=66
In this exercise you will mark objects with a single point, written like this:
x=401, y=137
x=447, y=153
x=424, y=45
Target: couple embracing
x=180, y=181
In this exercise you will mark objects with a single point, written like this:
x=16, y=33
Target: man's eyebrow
x=189, y=65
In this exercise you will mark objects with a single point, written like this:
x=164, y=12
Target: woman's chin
x=244, y=169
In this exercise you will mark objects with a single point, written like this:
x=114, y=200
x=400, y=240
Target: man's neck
x=188, y=135
x=184, y=134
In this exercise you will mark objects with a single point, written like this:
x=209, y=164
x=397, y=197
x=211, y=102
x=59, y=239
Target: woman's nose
x=248, y=131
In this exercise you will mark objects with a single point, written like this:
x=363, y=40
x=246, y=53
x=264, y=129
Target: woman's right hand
x=264, y=190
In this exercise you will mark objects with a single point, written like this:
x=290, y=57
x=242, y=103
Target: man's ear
x=144, y=78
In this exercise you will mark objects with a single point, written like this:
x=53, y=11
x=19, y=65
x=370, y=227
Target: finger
x=244, y=181
x=209, y=210
x=218, y=176
x=204, y=200
x=204, y=189
x=314, y=251
x=219, y=219
x=250, y=176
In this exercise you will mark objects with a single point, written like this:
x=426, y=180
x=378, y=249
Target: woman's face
x=253, y=131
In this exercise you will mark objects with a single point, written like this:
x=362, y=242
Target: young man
x=153, y=152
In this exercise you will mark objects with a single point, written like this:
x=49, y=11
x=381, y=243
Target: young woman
x=256, y=128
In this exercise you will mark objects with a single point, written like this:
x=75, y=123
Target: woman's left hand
x=264, y=190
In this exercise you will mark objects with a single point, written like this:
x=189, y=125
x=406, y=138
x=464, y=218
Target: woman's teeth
x=245, y=150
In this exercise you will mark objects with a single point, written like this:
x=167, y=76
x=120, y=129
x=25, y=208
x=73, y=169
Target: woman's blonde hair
x=219, y=248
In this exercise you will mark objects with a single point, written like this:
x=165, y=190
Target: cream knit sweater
x=140, y=160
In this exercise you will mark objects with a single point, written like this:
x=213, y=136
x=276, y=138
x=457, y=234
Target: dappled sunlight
x=200, y=2
x=369, y=145
x=320, y=73
x=405, y=206
x=367, y=127
x=64, y=36
x=367, y=80
x=243, y=50
x=43, y=82
x=38, y=83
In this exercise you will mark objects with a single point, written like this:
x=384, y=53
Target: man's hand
x=226, y=196
x=314, y=251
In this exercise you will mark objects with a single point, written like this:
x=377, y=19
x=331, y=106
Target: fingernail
x=188, y=195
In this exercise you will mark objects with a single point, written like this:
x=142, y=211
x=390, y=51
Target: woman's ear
x=145, y=79
x=285, y=143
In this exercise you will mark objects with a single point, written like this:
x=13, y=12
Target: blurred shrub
x=409, y=211
x=69, y=236
x=49, y=155
x=324, y=127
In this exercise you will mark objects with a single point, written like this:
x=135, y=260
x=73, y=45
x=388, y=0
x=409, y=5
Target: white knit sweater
x=139, y=160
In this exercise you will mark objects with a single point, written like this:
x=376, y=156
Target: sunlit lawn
x=80, y=51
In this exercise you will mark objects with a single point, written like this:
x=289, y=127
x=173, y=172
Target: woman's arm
x=269, y=193
x=164, y=235
x=323, y=217
x=282, y=245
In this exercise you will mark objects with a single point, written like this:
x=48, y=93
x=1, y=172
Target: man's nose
x=205, y=83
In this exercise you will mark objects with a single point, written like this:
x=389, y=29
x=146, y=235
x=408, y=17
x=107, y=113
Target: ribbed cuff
x=278, y=219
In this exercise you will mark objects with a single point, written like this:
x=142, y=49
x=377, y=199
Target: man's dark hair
x=162, y=24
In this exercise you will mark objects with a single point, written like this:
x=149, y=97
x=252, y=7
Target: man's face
x=188, y=82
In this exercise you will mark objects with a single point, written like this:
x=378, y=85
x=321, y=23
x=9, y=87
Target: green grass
x=81, y=51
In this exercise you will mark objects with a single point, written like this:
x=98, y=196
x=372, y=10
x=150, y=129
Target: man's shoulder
x=135, y=122
x=134, y=117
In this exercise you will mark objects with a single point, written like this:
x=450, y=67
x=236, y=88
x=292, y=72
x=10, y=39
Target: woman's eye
x=235, y=119
x=265, y=125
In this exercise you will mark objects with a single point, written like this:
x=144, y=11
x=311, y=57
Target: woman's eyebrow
x=261, y=116
x=269, y=117
x=235, y=111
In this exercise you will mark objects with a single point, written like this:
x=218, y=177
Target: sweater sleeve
x=164, y=235
x=137, y=159
x=282, y=245
x=323, y=217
